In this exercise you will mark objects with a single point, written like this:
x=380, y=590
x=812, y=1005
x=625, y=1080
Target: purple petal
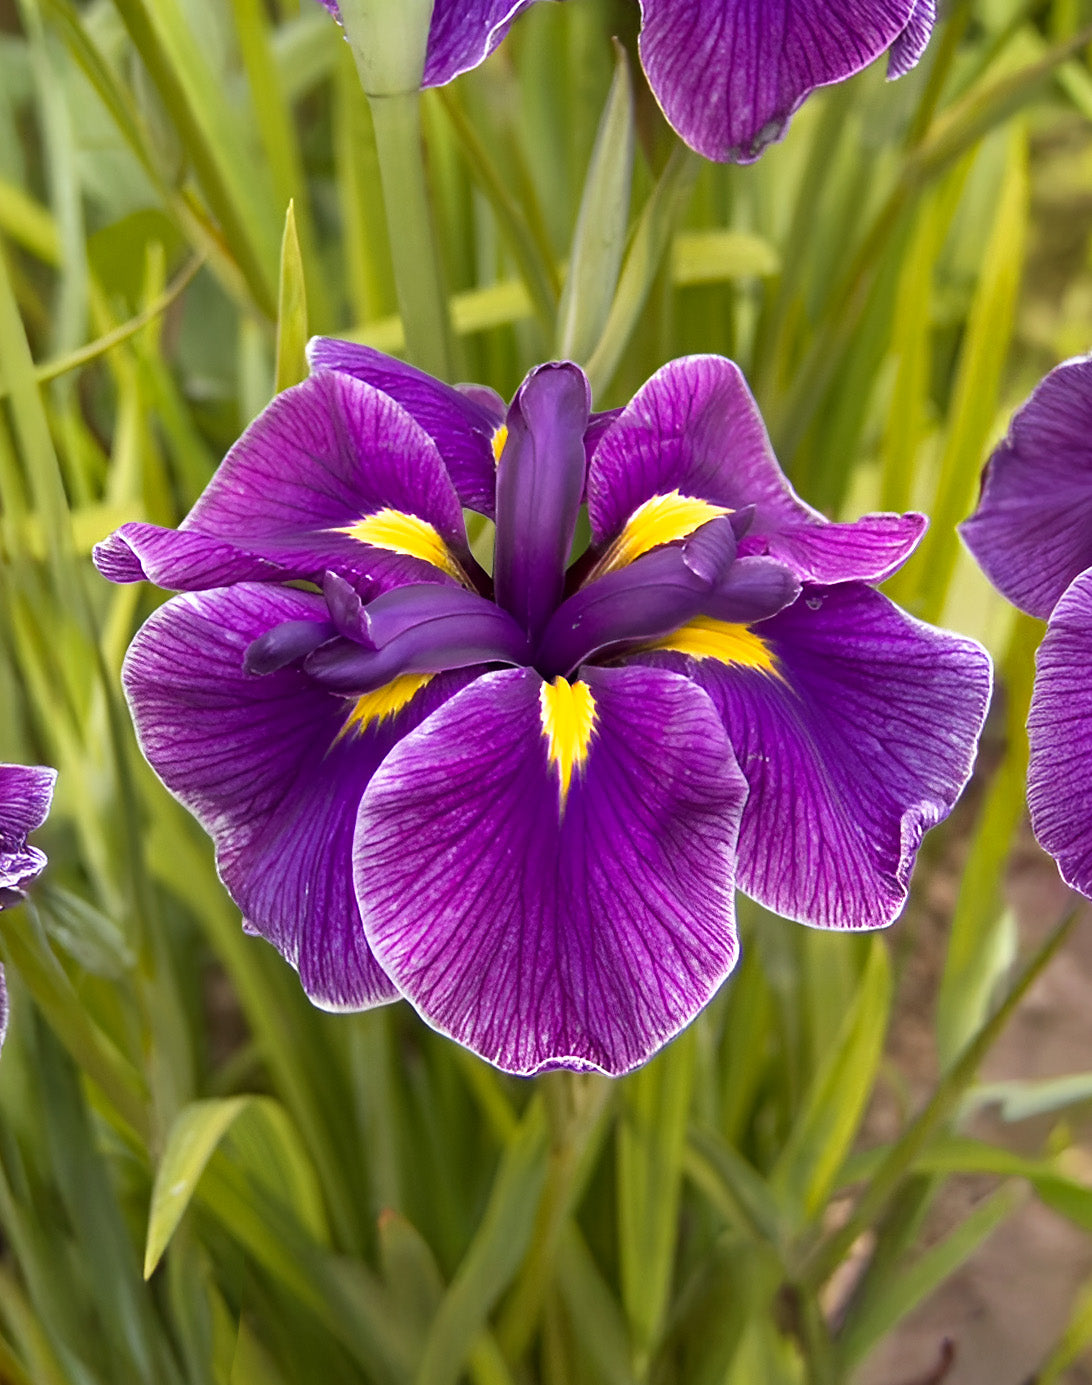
x=696, y=429
x=461, y=420
x=26, y=792
x=907, y=49
x=755, y=589
x=321, y=458
x=858, y=743
x=1032, y=531
x=1060, y=733
x=540, y=484
x=464, y=33
x=270, y=769
x=730, y=73
x=546, y=937
x=426, y=629
x=642, y=601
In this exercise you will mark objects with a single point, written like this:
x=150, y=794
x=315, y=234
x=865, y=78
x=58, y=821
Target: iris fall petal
x=542, y=936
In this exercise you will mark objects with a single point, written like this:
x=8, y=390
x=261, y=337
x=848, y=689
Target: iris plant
x=728, y=74
x=25, y=795
x=1032, y=536
x=522, y=797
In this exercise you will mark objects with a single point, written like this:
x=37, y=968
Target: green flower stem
x=575, y=1104
x=415, y=249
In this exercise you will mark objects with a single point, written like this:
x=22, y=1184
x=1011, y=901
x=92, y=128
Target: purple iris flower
x=522, y=798
x=728, y=74
x=1032, y=536
x=25, y=795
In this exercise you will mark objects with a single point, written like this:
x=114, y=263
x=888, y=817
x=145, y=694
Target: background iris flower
x=1032, y=536
x=728, y=74
x=522, y=799
x=25, y=795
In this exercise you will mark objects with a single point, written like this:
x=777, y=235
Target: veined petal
x=551, y=925
x=730, y=73
x=464, y=33
x=694, y=431
x=26, y=792
x=856, y=727
x=461, y=422
x=302, y=490
x=540, y=484
x=180, y=559
x=1060, y=734
x=907, y=49
x=273, y=767
x=1032, y=531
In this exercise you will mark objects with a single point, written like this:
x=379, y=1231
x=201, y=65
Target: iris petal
x=730, y=73
x=1060, y=734
x=461, y=422
x=540, y=938
x=1032, y=531
x=540, y=484
x=322, y=457
x=854, y=744
x=268, y=768
x=695, y=428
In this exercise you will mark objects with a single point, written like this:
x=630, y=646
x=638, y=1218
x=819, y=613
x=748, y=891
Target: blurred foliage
x=351, y=1198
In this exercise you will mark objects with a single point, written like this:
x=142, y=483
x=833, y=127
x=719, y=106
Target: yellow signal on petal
x=661, y=519
x=384, y=703
x=706, y=638
x=500, y=437
x=568, y=722
x=399, y=532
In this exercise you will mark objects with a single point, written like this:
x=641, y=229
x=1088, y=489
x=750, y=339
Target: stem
x=415, y=249
x=574, y=1103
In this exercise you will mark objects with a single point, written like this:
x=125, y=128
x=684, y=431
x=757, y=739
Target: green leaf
x=494, y=1256
x=878, y=1315
x=651, y=1145
x=600, y=235
x=197, y=1130
x=1024, y=1098
x=643, y=259
x=1073, y=1343
x=717, y=257
x=824, y=1131
x=291, y=310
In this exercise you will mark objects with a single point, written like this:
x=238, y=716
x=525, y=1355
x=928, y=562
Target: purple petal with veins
x=540, y=484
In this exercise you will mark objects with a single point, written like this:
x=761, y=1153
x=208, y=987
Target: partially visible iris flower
x=1032, y=536
x=522, y=798
x=728, y=74
x=25, y=795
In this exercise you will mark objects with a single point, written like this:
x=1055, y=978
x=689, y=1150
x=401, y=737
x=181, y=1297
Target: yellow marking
x=568, y=720
x=384, y=702
x=500, y=437
x=399, y=532
x=662, y=519
x=706, y=638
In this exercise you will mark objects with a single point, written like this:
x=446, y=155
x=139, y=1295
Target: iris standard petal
x=26, y=792
x=180, y=559
x=1060, y=733
x=413, y=630
x=556, y=893
x=694, y=429
x=730, y=73
x=540, y=484
x=273, y=767
x=462, y=422
x=333, y=475
x=641, y=601
x=856, y=727
x=1032, y=531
